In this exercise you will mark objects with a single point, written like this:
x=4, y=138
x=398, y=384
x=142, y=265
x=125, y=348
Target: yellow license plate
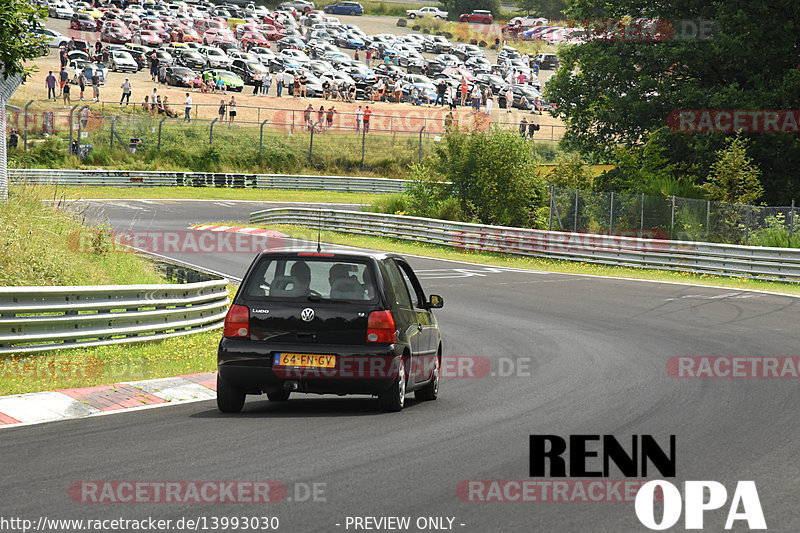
x=304, y=360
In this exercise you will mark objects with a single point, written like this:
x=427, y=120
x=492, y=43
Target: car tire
x=487, y=21
x=353, y=13
x=393, y=399
x=229, y=398
x=412, y=16
x=278, y=396
x=431, y=390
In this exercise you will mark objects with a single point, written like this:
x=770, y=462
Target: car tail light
x=237, y=322
x=380, y=327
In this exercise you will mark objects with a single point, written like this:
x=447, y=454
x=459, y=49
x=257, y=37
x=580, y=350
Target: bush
x=494, y=177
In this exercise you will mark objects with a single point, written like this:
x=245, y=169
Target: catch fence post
x=211, y=132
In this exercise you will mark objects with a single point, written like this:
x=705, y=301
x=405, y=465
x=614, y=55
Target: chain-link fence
x=674, y=218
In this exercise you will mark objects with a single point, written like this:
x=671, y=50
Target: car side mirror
x=435, y=302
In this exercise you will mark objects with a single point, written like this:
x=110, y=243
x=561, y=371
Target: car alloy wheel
x=394, y=398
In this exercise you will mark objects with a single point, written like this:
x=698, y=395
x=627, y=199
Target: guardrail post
x=25, y=134
x=161, y=123
x=420, y=144
x=550, y=224
x=211, y=132
x=747, y=225
x=575, y=223
x=71, y=115
x=708, y=217
x=261, y=137
x=611, y=215
x=113, y=123
x=363, y=144
x=791, y=225
x=672, y=220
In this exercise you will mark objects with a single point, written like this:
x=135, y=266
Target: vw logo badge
x=307, y=314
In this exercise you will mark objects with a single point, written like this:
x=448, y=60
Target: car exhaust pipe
x=291, y=385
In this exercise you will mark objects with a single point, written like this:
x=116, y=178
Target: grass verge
x=209, y=193
x=38, y=244
x=550, y=265
x=104, y=365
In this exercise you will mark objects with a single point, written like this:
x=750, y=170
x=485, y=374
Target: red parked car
x=114, y=31
x=147, y=38
x=251, y=39
x=480, y=16
x=271, y=32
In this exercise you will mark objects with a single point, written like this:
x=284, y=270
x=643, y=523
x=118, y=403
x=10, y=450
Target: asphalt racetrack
x=587, y=356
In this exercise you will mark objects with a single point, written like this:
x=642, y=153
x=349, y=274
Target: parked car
x=180, y=76
x=60, y=10
x=232, y=81
x=436, y=44
x=434, y=12
x=301, y=6
x=82, y=22
x=121, y=61
x=147, y=38
x=547, y=61
x=192, y=59
x=115, y=31
x=467, y=51
x=477, y=16
x=307, y=322
x=216, y=58
x=247, y=70
x=52, y=37
x=344, y=8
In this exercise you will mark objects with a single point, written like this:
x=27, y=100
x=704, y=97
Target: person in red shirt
x=368, y=55
x=367, y=115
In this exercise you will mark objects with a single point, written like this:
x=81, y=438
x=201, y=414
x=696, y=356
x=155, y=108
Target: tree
x=551, y=9
x=18, y=43
x=493, y=176
x=617, y=93
x=733, y=177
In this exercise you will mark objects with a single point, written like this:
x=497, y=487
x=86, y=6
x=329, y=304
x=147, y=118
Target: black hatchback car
x=329, y=323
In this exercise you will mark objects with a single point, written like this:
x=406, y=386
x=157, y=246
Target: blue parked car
x=344, y=8
x=350, y=40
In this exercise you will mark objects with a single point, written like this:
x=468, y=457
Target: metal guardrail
x=137, y=178
x=34, y=319
x=778, y=264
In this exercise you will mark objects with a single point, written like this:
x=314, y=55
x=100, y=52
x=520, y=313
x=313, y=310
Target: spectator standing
x=65, y=95
x=296, y=86
x=451, y=97
x=355, y=56
x=463, y=91
x=258, y=82
x=303, y=82
x=321, y=115
x=126, y=92
x=162, y=74
x=476, y=99
x=50, y=83
x=232, y=108
x=368, y=56
x=523, y=127
x=62, y=79
x=307, y=116
x=187, y=108
x=279, y=83
x=63, y=58
x=153, y=66
x=359, y=118
x=267, y=83
x=532, y=127
x=82, y=83
x=367, y=115
x=489, y=100
x=221, y=110
x=96, y=86
x=440, y=89
x=509, y=99
x=329, y=117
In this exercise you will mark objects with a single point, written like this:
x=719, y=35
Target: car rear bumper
x=249, y=366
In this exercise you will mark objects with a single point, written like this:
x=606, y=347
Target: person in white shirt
x=187, y=108
x=359, y=118
x=489, y=101
x=509, y=99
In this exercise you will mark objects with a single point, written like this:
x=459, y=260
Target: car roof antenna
x=319, y=230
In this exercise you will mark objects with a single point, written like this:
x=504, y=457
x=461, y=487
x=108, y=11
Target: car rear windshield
x=312, y=278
